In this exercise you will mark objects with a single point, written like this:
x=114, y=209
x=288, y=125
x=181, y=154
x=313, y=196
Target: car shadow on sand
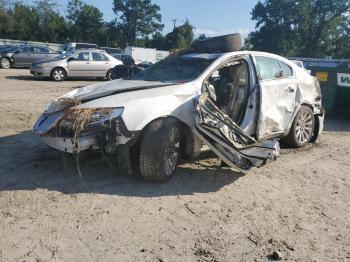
x=27, y=164
x=47, y=79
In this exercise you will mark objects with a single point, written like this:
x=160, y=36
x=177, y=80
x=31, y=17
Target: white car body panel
x=145, y=101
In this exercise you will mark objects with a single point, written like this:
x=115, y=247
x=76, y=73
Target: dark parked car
x=24, y=56
x=3, y=47
x=129, y=68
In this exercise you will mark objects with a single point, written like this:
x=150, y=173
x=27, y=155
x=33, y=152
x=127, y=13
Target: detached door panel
x=228, y=141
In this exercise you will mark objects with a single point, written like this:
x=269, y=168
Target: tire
x=302, y=129
x=109, y=75
x=6, y=63
x=160, y=150
x=226, y=43
x=58, y=74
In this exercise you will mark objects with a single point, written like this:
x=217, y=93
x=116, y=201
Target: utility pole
x=174, y=20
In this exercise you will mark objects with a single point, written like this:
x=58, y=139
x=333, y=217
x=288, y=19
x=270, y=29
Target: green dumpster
x=327, y=76
x=342, y=103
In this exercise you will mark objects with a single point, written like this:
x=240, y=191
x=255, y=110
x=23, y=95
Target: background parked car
x=24, y=56
x=83, y=63
x=71, y=47
x=128, y=69
x=3, y=47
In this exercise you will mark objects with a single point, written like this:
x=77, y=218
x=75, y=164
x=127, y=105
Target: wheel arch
x=12, y=61
x=58, y=67
x=189, y=144
x=307, y=104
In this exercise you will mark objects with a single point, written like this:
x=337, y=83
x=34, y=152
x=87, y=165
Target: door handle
x=291, y=90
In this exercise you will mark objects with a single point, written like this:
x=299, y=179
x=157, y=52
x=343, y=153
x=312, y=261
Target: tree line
x=136, y=23
x=307, y=28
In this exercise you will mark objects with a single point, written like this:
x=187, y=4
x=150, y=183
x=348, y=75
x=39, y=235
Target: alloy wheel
x=303, y=130
x=58, y=75
x=109, y=75
x=172, y=152
x=5, y=63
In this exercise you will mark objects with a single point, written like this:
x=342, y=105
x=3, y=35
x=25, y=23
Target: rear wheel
x=58, y=74
x=5, y=63
x=160, y=150
x=302, y=128
x=109, y=75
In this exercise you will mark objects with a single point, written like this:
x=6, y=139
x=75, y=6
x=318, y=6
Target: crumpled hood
x=104, y=89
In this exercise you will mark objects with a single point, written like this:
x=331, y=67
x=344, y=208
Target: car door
x=39, y=53
x=278, y=88
x=100, y=64
x=79, y=64
x=22, y=56
x=227, y=140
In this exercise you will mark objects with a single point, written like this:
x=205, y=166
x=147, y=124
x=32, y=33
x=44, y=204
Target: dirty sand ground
x=298, y=205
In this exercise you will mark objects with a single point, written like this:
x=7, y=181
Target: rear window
x=81, y=56
x=99, y=57
x=287, y=70
x=268, y=68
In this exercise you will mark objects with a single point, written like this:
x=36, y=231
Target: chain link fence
x=52, y=46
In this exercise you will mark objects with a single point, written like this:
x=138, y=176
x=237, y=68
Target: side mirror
x=17, y=52
x=70, y=59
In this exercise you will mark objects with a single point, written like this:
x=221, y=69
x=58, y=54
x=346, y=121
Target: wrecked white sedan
x=239, y=104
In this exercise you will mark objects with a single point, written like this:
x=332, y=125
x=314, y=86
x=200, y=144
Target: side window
x=268, y=68
x=24, y=50
x=99, y=57
x=40, y=50
x=84, y=56
x=287, y=70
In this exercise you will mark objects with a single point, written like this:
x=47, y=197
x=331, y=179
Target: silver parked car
x=240, y=104
x=82, y=63
x=24, y=56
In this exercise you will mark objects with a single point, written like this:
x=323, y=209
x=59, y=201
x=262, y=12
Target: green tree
x=158, y=41
x=73, y=10
x=137, y=19
x=86, y=23
x=4, y=18
x=23, y=23
x=89, y=23
x=181, y=37
x=307, y=28
x=52, y=26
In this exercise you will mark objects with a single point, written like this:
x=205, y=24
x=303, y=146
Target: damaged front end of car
x=73, y=129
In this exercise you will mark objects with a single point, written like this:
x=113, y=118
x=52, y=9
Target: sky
x=208, y=16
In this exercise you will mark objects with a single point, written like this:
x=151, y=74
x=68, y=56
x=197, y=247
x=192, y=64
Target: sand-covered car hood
x=100, y=90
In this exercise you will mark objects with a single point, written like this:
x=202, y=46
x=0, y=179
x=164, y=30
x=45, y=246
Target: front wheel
x=302, y=128
x=160, y=150
x=5, y=63
x=58, y=74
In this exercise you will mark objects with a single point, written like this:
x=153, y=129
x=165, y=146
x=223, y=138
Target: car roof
x=223, y=56
x=89, y=50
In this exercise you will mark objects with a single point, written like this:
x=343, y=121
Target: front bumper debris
x=70, y=145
